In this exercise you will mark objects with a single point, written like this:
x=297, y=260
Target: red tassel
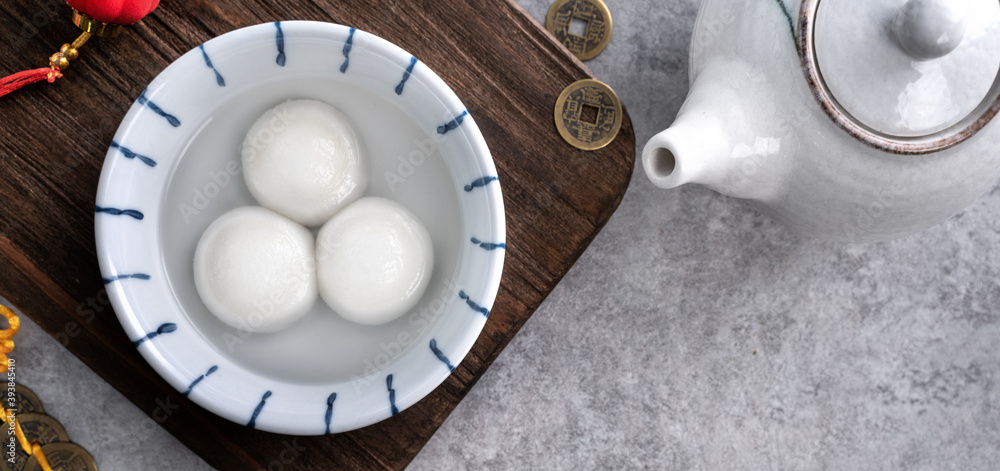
x=28, y=77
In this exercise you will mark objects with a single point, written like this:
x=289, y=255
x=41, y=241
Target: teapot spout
x=722, y=138
x=692, y=150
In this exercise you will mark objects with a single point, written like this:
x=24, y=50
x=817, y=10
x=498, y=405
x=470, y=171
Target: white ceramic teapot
x=845, y=119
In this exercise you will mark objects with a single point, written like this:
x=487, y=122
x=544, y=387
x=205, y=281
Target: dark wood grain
x=53, y=138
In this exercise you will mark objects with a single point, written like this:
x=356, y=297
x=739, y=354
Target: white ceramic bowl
x=174, y=167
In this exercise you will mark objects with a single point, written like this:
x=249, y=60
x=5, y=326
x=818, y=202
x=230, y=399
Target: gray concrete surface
x=693, y=334
x=868, y=357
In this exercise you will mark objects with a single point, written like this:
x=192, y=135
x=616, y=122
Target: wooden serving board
x=53, y=139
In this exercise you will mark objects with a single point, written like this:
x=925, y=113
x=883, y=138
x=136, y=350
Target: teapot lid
x=907, y=76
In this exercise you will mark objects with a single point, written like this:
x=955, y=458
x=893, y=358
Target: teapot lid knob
x=904, y=72
x=929, y=29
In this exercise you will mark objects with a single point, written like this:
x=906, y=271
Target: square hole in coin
x=588, y=114
x=578, y=27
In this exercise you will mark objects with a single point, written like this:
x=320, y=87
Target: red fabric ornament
x=100, y=17
x=118, y=12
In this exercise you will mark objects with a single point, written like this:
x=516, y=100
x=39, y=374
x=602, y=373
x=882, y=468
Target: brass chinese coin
x=583, y=26
x=65, y=457
x=38, y=428
x=25, y=401
x=588, y=114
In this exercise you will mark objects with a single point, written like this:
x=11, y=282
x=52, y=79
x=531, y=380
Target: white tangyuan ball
x=374, y=261
x=255, y=269
x=303, y=160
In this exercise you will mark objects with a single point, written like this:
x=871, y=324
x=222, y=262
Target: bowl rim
x=122, y=239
